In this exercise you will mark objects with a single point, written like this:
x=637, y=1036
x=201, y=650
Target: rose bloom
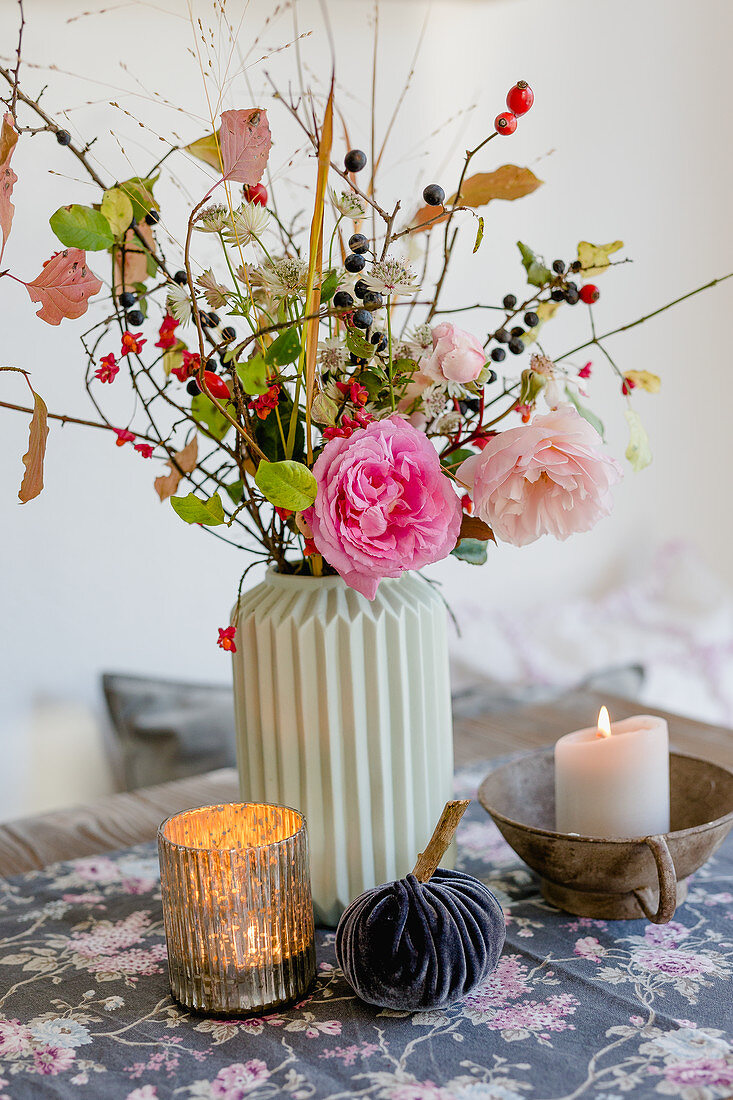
x=457, y=356
x=384, y=504
x=544, y=478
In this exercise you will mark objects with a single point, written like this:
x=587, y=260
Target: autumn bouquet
x=309, y=395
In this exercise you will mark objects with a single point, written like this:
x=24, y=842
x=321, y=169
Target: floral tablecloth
x=577, y=1008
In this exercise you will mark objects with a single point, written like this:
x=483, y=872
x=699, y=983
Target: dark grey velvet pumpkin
x=415, y=945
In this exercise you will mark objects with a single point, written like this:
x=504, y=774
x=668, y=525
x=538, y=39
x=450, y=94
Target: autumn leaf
x=652, y=383
x=474, y=528
x=64, y=286
x=594, y=258
x=245, y=144
x=638, y=452
x=185, y=461
x=33, y=458
x=507, y=183
x=8, y=178
x=134, y=257
x=207, y=149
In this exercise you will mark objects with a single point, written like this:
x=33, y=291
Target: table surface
x=577, y=1009
x=133, y=817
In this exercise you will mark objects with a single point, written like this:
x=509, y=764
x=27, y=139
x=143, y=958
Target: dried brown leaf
x=33, y=458
x=184, y=462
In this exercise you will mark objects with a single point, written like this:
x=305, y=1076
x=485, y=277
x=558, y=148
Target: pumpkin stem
x=427, y=861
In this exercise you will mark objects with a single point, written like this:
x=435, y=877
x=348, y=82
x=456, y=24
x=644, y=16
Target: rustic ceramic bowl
x=602, y=877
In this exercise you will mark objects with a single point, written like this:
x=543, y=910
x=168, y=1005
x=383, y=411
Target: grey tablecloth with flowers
x=577, y=1008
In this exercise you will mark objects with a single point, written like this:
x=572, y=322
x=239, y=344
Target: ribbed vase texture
x=343, y=711
x=237, y=907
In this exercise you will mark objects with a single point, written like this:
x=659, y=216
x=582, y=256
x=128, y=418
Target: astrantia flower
x=332, y=353
x=213, y=219
x=391, y=276
x=247, y=225
x=447, y=424
x=166, y=335
x=215, y=293
x=422, y=337
x=226, y=638
x=178, y=302
x=123, y=436
x=132, y=342
x=108, y=370
x=434, y=400
x=349, y=204
x=286, y=276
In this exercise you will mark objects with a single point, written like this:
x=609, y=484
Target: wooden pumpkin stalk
x=425, y=941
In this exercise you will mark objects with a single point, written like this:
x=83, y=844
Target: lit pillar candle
x=613, y=780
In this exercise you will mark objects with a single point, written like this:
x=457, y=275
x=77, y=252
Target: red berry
x=216, y=386
x=256, y=193
x=520, y=98
x=589, y=294
x=505, y=123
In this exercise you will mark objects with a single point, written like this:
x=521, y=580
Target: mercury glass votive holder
x=237, y=907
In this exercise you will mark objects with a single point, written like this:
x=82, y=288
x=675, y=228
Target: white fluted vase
x=343, y=712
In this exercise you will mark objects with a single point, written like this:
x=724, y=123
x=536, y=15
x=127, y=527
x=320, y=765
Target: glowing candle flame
x=604, y=723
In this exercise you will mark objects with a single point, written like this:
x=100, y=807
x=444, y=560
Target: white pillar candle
x=613, y=782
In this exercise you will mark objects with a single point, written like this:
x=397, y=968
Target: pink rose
x=384, y=505
x=457, y=355
x=543, y=478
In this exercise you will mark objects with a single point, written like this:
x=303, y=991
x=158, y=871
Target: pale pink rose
x=384, y=504
x=457, y=356
x=544, y=478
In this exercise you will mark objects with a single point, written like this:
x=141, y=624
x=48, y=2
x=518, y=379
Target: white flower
x=215, y=293
x=247, y=224
x=65, y=1033
x=391, y=276
x=349, y=204
x=447, y=424
x=332, y=353
x=178, y=302
x=213, y=219
x=113, y=1003
x=285, y=276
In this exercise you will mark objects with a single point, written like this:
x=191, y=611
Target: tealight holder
x=237, y=907
x=607, y=877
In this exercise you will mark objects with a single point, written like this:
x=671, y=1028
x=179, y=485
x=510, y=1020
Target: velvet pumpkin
x=416, y=945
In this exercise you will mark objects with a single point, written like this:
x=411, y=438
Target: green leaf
x=82, y=227
x=357, y=345
x=205, y=411
x=117, y=209
x=192, y=509
x=474, y=551
x=638, y=452
x=287, y=484
x=537, y=273
x=455, y=458
x=479, y=235
x=235, y=491
x=586, y=413
x=252, y=375
x=140, y=193
x=329, y=286
x=372, y=383
x=285, y=349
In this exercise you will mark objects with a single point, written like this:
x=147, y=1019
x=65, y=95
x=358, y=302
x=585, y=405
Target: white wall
x=631, y=133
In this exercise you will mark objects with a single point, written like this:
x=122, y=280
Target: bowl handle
x=667, y=883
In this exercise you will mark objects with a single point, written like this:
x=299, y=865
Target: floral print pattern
x=588, y=1009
